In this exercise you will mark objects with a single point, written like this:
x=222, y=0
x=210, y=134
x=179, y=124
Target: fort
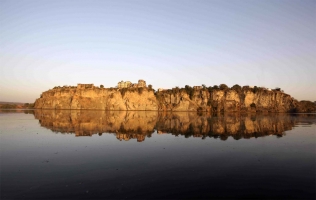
x=84, y=86
x=127, y=84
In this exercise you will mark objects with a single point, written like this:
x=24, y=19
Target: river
x=63, y=154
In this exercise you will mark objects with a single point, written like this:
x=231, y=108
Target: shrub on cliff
x=150, y=88
x=255, y=89
x=253, y=105
x=223, y=86
x=101, y=86
x=236, y=87
x=123, y=91
x=210, y=89
x=140, y=90
x=189, y=90
x=175, y=90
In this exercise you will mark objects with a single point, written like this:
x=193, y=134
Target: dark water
x=117, y=155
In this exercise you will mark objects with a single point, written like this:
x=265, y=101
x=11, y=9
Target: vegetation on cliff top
x=217, y=98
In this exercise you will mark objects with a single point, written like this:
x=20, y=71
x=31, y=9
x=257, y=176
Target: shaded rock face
x=215, y=101
x=305, y=106
x=218, y=101
x=178, y=101
x=138, y=125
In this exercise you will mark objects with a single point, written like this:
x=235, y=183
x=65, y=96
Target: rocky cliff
x=97, y=98
x=212, y=100
x=230, y=100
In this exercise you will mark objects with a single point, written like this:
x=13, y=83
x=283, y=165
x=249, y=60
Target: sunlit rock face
x=95, y=98
x=214, y=101
x=138, y=125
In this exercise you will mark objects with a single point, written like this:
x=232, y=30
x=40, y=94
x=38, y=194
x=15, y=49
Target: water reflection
x=38, y=164
x=127, y=125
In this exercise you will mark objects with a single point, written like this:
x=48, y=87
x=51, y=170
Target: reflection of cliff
x=237, y=126
x=125, y=125
x=141, y=124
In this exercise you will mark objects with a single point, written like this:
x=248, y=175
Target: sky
x=167, y=43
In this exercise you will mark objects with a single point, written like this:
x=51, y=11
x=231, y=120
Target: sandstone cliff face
x=178, y=101
x=96, y=98
x=305, y=106
x=216, y=101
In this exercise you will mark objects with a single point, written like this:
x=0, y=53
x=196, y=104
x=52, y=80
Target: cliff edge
x=212, y=99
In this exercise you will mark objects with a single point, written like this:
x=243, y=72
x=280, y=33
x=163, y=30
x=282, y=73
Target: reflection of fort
x=138, y=125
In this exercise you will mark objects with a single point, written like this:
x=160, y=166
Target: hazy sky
x=168, y=43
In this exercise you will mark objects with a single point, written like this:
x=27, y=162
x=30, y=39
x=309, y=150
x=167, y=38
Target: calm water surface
x=96, y=154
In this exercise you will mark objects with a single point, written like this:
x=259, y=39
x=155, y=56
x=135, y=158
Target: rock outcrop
x=229, y=100
x=215, y=100
x=96, y=98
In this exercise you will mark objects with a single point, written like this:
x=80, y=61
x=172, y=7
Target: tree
x=101, y=86
x=255, y=89
x=223, y=86
x=210, y=89
x=204, y=86
x=150, y=87
x=236, y=87
x=189, y=90
x=215, y=87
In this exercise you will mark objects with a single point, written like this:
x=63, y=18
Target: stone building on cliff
x=141, y=83
x=84, y=86
x=128, y=84
x=124, y=84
